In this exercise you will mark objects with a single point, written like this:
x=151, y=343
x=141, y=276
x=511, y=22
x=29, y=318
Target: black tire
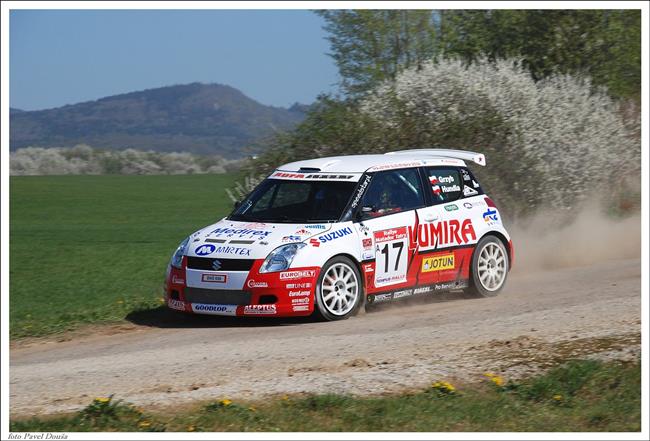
x=481, y=283
x=326, y=309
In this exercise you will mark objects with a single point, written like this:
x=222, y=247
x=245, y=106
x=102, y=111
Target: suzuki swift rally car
x=327, y=235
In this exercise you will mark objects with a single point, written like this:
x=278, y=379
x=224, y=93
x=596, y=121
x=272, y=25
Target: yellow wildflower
x=252, y=409
x=444, y=387
x=285, y=397
x=497, y=380
x=102, y=400
x=190, y=428
x=144, y=424
x=225, y=402
x=558, y=397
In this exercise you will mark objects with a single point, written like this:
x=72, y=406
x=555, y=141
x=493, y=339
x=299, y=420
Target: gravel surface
x=540, y=319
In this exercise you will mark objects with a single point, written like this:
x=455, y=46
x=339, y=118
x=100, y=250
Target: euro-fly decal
x=445, y=233
x=328, y=237
x=205, y=249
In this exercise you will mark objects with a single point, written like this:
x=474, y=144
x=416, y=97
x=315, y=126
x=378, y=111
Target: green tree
x=603, y=44
x=370, y=46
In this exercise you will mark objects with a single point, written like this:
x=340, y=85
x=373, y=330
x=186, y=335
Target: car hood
x=248, y=240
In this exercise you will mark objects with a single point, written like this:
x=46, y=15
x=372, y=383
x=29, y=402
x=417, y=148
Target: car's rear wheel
x=339, y=290
x=489, y=267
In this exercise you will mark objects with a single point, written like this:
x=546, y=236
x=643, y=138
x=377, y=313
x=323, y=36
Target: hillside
x=197, y=118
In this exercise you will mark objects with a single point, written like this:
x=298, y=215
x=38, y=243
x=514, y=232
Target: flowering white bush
x=84, y=160
x=550, y=143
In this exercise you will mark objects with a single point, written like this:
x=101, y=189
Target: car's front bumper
x=242, y=293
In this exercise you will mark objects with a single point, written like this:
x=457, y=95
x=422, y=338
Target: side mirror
x=237, y=204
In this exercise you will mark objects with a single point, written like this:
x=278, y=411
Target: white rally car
x=326, y=235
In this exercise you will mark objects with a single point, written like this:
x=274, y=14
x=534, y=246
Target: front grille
x=205, y=263
x=217, y=296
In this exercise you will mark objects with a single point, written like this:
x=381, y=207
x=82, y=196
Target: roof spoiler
x=477, y=158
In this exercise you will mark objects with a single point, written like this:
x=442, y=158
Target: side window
x=391, y=192
x=445, y=184
x=471, y=187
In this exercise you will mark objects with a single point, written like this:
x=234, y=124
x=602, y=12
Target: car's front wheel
x=489, y=267
x=339, y=290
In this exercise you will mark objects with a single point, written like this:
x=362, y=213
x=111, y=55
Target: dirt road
x=540, y=318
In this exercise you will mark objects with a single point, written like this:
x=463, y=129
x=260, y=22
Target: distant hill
x=13, y=110
x=197, y=118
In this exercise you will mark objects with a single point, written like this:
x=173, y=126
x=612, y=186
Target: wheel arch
x=506, y=244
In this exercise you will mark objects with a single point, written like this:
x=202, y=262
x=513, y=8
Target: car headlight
x=280, y=258
x=177, y=257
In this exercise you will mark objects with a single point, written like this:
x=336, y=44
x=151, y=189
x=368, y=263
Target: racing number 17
x=384, y=251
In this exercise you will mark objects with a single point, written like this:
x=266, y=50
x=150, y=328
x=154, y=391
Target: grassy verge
x=577, y=396
x=87, y=249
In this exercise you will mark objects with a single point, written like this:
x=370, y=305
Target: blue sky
x=60, y=57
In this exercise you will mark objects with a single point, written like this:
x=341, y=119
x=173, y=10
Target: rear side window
x=445, y=184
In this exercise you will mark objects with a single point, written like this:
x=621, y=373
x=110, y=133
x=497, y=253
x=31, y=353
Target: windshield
x=277, y=200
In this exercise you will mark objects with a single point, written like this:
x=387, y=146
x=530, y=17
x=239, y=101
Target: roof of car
x=392, y=160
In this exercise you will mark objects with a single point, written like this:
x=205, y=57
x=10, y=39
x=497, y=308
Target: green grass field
x=86, y=249
x=579, y=396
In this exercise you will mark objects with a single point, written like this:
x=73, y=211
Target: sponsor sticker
x=176, y=304
x=237, y=251
x=298, y=293
x=400, y=294
x=450, y=188
x=422, y=290
x=205, y=249
x=298, y=285
x=469, y=191
x=467, y=205
x=241, y=233
x=367, y=244
x=177, y=280
x=259, y=309
x=360, y=191
x=390, y=234
x=328, y=237
x=368, y=268
x=299, y=274
x=368, y=255
x=451, y=207
x=291, y=239
x=438, y=263
x=395, y=166
x=383, y=297
x=490, y=216
x=316, y=227
x=204, y=308
x=301, y=308
x=254, y=284
x=314, y=242
x=301, y=300
x=438, y=234
x=214, y=278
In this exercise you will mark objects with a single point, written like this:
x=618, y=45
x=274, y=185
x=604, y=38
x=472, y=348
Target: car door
x=385, y=218
x=446, y=231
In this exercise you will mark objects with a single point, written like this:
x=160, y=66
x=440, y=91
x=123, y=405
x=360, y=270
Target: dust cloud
x=545, y=241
